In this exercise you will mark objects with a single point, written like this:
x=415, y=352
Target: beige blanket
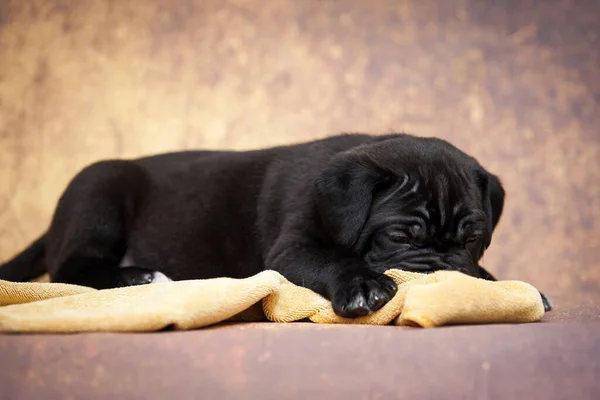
x=442, y=298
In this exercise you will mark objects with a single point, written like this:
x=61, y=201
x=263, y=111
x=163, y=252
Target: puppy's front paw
x=546, y=301
x=362, y=292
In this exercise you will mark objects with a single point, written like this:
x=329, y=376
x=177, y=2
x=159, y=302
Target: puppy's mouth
x=427, y=271
x=426, y=261
x=431, y=268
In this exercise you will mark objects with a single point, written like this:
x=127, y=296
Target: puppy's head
x=417, y=204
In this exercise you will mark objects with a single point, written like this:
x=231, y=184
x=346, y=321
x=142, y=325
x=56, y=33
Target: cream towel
x=442, y=298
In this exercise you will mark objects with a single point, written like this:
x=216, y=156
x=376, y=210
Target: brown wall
x=515, y=84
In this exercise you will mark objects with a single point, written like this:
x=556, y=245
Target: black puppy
x=331, y=215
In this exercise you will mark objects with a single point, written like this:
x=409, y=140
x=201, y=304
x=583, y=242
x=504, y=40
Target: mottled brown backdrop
x=516, y=83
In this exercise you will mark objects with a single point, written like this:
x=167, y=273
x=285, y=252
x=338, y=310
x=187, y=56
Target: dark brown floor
x=557, y=358
x=275, y=361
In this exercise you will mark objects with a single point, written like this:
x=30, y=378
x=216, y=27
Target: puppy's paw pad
x=363, y=294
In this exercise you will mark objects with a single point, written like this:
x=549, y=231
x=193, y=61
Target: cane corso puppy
x=331, y=215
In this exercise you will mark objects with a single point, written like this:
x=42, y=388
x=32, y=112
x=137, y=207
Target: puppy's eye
x=399, y=238
x=473, y=239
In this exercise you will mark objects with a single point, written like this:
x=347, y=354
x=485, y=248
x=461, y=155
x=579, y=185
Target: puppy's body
x=330, y=215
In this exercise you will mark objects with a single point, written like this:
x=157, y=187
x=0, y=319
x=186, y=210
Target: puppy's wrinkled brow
x=423, y=212
x=394, y=192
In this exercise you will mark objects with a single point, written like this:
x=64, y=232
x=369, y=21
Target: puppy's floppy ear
x=344, y=193
x=493, y=201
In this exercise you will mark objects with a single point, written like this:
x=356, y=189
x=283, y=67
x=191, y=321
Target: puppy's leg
x=484, y=274
x=88, y=235
x=353, y=288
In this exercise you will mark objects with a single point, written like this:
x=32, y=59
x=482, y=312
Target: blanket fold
x=426, y=300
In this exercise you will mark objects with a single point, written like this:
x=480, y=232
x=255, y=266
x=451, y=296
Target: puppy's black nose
x=459, y=260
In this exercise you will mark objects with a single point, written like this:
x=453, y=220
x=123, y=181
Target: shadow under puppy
x=331, y=215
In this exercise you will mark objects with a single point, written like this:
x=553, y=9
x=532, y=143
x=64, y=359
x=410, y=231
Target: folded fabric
x=427, y=300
